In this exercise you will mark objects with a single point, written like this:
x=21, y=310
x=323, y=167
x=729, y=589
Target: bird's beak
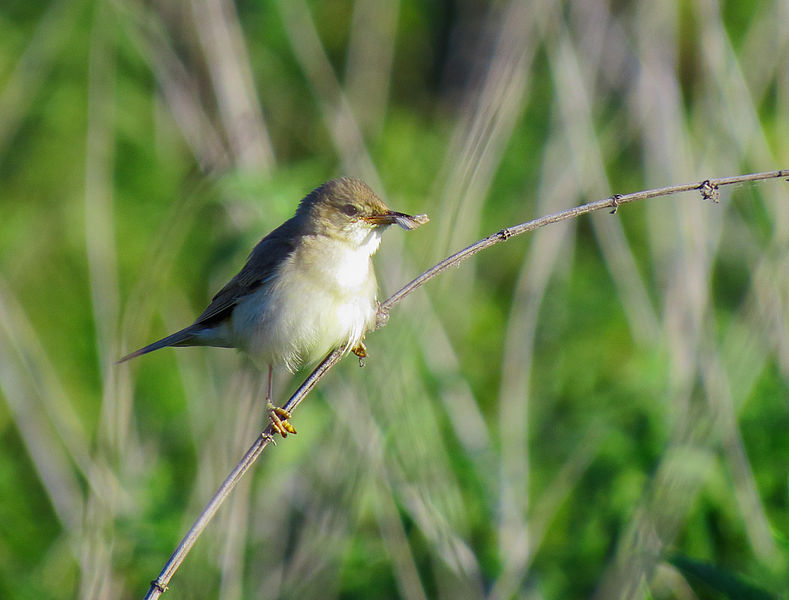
x=391, y=217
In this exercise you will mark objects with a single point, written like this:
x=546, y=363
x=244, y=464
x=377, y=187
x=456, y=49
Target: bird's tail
x=185, y=337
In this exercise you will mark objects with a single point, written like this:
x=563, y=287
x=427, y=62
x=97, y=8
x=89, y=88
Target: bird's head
x=348, y=209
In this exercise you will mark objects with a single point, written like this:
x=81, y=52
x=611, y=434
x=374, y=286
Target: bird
x=307, y=288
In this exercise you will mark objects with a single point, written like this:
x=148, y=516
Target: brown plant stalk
x=709, y=190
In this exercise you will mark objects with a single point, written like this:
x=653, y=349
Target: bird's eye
x=350, y=210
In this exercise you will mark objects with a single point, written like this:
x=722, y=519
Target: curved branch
x=709, y=190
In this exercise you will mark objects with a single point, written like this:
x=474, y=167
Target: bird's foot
x=360, y=350
x=279, y=420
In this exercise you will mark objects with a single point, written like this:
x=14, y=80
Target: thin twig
x=708, y=190
x=706, y=187
x=160, y=584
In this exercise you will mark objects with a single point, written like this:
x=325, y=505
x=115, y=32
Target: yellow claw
x=279, y=420
x=360, y=350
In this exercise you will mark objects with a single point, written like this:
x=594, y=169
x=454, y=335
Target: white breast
x=323, y=297
x=351, y=267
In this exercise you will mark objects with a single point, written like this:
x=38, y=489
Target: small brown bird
x=307, y=288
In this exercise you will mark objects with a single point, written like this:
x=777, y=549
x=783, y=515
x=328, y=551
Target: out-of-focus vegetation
x=599, y=410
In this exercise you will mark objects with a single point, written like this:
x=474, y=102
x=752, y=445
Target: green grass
x=597, y=410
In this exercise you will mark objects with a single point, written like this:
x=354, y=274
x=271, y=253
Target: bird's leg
x=276, y=415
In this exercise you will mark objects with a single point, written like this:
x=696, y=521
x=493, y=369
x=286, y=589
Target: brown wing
x=261, y=264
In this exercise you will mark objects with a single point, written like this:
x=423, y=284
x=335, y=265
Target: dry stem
x=709, y=190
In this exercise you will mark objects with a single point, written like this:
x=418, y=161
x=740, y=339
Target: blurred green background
x=598, y=410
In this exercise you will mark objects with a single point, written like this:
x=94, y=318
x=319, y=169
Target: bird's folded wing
x=262, y=263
